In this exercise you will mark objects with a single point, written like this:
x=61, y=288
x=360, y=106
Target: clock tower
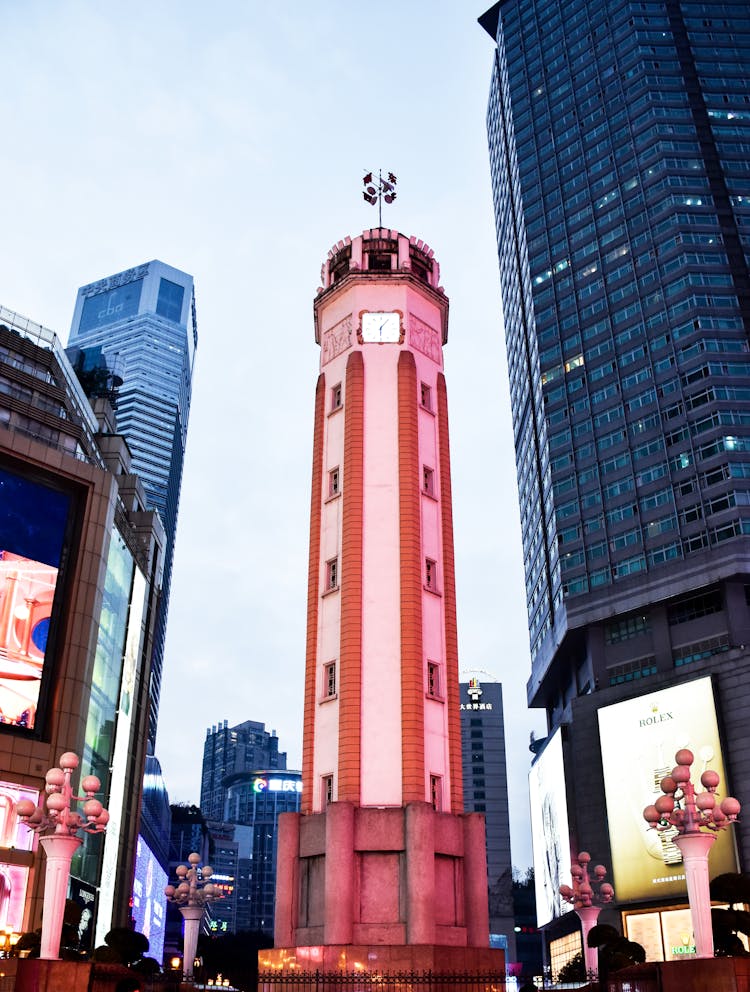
x=382, y=869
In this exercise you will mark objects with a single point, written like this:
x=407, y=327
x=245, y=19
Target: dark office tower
x=245, y=786
x=485, y=781
x=619, y=136
x=144, y=320
x=229, y=751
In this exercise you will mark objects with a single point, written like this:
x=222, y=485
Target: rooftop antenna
x=377, y=190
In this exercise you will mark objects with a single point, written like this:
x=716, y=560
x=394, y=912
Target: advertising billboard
x=550, y=832
x=14, y=833
x=639, y=738
x=14, y=880
x=149, y=901
x=33, y=526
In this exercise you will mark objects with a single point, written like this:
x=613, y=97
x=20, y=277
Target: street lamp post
x=191, y=895
x=588, y=901
x=698, y=818
x=58, y=829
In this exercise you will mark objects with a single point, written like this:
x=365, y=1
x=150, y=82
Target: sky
x=229, y=139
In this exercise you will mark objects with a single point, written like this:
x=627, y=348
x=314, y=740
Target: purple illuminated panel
x=14, y=880
x=13, y=833
x=149, y=901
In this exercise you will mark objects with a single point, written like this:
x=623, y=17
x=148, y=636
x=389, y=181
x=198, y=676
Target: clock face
x=381, y=327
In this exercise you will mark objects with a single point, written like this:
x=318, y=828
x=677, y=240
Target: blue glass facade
x=619, y=141
x=144, y=321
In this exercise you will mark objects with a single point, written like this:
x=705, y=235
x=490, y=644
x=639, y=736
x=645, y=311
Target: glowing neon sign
x=276, y=785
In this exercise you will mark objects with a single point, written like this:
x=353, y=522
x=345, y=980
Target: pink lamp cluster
x=191, y=895
x=697, y=817
x=587, y=896
x=59, y=824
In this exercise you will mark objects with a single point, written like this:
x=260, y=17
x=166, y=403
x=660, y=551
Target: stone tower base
x=396, y=877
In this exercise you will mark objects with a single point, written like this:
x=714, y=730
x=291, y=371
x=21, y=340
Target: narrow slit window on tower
x=428, y=481
x=436, y=792
x=332, y=574
x=425, y=396
x=433, y=679
x=327, y=790
x=430, y=574
x=329, y=680
x=334, y=482
x=337, y=397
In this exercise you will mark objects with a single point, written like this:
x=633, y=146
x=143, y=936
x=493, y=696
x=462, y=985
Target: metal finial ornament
x=377, y=190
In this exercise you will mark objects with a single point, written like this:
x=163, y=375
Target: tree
x=127, y=947
x=734, y=888
x=573, y=970
x=615, y=951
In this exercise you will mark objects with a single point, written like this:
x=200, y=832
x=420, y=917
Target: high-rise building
x=383, y=869
x=230, y=751
x=618, y=136
x=485, y=781
x=80, y=563
x=144, y=321
x=245, y=786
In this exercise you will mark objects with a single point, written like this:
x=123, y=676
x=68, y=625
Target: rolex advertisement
x=639, y=738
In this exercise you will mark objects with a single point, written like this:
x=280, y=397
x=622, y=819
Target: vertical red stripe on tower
x=449, y=602
x=313, y=599
x=412, y=663
x=350, y=662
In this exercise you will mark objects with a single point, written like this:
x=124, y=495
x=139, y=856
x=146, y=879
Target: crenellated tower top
x=381, y=254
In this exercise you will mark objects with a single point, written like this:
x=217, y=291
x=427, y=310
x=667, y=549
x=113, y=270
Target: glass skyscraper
x=144, y=322
x=619, y=138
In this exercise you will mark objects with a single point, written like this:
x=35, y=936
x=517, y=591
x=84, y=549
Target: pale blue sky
x=230, y=139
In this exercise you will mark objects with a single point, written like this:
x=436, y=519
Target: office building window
x=332, y=574
x=169, y=301
x=425, y=396
x=329, y=680
x=430, y=574
x=337, y=397
x=428, y=481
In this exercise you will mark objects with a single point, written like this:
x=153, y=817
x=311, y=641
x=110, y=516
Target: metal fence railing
x=382, y=981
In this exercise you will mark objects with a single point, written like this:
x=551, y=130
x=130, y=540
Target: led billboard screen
x=33, y=525
x=550, y=832
x=14, y=880
x=149, y=901
x=639, y=738
x=14, y=833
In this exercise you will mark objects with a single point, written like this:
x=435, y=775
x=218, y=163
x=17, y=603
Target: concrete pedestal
x=396, y=876
x=395, y=890
x=59, y=850
x=695, y=848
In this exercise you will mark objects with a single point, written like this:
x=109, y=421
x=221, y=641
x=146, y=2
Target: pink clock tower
x=382, y=870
